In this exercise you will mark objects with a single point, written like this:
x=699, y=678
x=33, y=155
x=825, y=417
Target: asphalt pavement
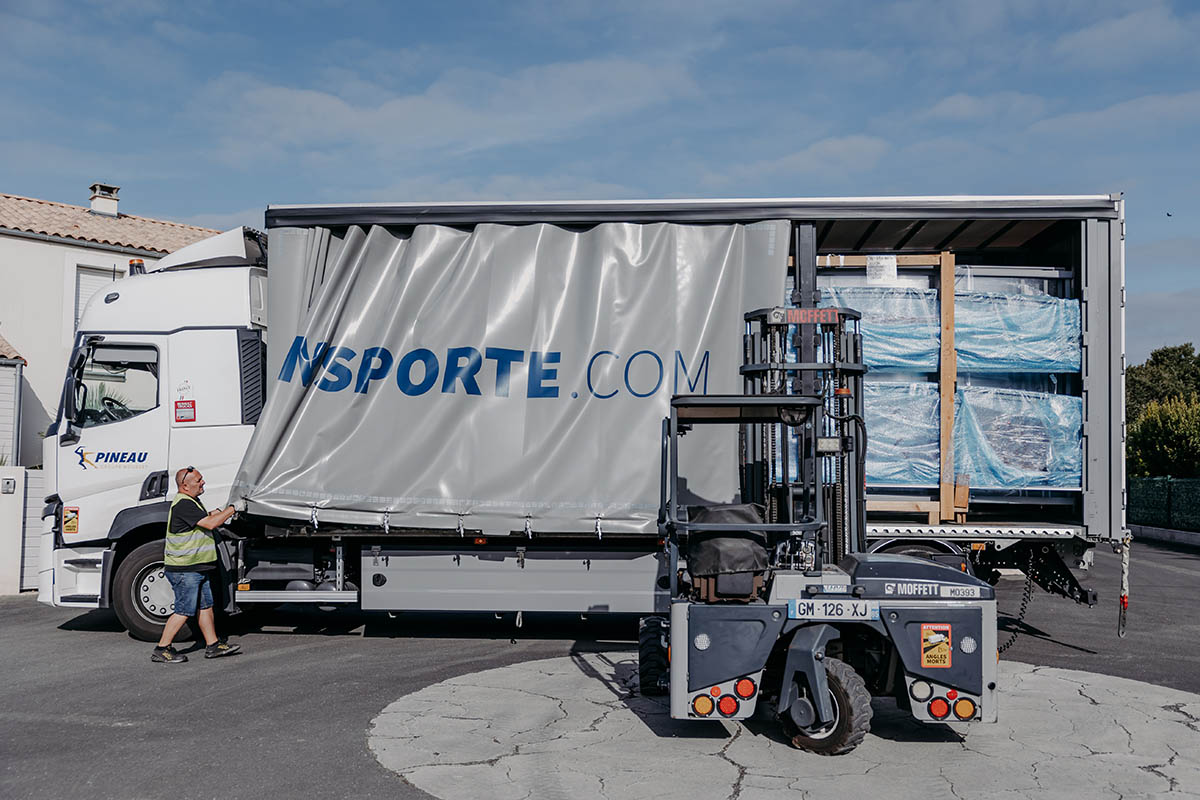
x=84, y=712
x=1162, y=642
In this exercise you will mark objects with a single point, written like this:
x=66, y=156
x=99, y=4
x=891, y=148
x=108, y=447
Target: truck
x=457, y=406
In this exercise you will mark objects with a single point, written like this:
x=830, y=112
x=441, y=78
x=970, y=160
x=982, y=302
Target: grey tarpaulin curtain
x=555, y=352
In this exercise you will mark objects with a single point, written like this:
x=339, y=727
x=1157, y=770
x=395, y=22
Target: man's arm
x=216, y=519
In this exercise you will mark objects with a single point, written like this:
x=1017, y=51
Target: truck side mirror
x=70, y=436
x=76, y=399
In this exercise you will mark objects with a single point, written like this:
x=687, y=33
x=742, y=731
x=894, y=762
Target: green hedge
x=1165, y=503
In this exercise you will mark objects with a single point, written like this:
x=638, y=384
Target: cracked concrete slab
x=576, y=727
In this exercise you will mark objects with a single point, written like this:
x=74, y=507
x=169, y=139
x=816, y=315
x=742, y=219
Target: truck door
x=213, y=376
x=113, y=435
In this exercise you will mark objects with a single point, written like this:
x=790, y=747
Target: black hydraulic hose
x=860, y=449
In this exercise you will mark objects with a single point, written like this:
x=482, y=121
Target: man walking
x=191, y=560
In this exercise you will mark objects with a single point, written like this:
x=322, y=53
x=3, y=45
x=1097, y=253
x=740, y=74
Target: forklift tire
x=144, y=614
x=653, y=667
x=851, y=714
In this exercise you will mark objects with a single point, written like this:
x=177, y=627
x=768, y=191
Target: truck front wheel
x=141, y=596
x=851, y=714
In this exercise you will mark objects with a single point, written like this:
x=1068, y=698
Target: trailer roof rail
x=590, y=212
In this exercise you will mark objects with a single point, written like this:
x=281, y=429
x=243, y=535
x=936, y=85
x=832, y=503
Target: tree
x=1165, y=440
x=1168, y=372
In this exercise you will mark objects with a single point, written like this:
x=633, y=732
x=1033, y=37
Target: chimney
x=104, y=199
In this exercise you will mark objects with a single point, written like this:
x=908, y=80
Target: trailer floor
x=83, y=711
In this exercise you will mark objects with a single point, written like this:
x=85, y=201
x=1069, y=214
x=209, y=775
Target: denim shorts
x=190, y=586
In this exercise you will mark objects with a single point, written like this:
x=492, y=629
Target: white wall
x=12, y=529
x=37, y=307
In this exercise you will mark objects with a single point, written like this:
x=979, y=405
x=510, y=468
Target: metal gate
x=35, y=500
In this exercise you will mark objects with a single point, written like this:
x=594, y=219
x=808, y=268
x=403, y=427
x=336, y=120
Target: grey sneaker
x=221, y=649
x=167, y=655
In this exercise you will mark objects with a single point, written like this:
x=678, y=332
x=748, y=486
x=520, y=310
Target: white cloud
x=854, y=153
x=196, y=38
x=827, y=157
x=1152, y=33
x=1011, y=106
x=464, y=110
x=634, y=19
x=835, y=64
x=1143, y=114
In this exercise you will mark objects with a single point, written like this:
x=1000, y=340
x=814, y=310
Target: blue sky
x=206, y=112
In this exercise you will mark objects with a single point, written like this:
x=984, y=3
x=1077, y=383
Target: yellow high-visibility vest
x=190, y=548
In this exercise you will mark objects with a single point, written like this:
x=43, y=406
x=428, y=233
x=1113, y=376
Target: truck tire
x=653, y=668
x=851, y=714
x=914, y=549
x=141, y=596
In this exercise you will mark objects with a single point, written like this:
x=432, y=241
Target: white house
x=53, y=258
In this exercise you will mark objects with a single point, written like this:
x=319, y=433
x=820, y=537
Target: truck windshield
x=116, y=383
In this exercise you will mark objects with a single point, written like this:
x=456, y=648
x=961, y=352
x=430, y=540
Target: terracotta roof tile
x=77, y=222
x=8, y=351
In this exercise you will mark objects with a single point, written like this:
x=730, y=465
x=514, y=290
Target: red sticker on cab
x=185, y=410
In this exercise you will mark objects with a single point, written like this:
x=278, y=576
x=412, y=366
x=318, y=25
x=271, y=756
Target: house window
x=88, y=281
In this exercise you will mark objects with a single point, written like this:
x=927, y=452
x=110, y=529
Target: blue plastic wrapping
x=1003, y=438
x=1016, y=332
x=1008, y=439
x=900, y=325
x=902, y=433
x=994, y=332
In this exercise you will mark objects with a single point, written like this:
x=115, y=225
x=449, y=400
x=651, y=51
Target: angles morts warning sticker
x=935, y=645
x=70, y=520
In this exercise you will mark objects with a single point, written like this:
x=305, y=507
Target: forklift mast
x=811, y=468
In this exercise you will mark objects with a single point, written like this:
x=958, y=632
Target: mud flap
x=227, y=577
x=806, y=655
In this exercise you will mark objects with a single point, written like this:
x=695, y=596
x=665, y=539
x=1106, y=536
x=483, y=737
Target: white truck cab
x=166, y=372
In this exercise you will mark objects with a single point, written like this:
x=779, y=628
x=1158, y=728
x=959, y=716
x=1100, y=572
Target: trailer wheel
x=851, y=714
x=653, y=666
x=141, y=596
x=914, y=549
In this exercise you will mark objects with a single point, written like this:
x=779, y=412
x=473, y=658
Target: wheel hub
x=824, y=731
x=152, y=594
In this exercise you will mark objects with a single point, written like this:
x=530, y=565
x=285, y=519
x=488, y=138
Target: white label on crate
x=881, y=270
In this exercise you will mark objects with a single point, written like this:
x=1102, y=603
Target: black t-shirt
x=184, y=517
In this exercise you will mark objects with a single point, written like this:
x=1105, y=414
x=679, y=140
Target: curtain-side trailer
x=447, y=406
